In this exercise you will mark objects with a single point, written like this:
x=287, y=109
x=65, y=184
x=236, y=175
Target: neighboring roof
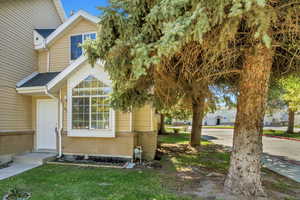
x=45, y=32
x=80, y=14
x=60, y=9
x=45, y=82
x=40, y=79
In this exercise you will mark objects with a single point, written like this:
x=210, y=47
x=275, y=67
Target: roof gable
x=62, y=28
x=44, y=32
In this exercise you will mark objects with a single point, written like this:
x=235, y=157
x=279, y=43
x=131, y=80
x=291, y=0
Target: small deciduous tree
x=291, y=95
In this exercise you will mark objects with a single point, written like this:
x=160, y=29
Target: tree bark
x=244, y=177
x=198, y=114
x=291, y=121
x=162, y=129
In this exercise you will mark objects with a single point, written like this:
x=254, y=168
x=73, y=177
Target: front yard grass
x=51, y=182
x=281, y=134
x=182, y=174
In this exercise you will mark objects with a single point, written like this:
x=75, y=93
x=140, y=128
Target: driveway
x=273, y=146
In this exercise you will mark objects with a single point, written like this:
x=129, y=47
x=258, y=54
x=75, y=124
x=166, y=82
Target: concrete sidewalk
x=281, y=156
x=282, y=167
x=15, y=169
x=24, y=162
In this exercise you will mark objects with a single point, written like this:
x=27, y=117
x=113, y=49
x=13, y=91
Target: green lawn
x=210, y=156
x=219, y=127
x=182, y=138
x=282, y=134
x=74, y=183
x=78, y=183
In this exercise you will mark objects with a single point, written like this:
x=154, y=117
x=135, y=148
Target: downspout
x=59, y=128
x=60, y=125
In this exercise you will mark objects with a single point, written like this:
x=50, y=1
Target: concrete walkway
x=281, y=156
x=282, y=167
x=24, y=162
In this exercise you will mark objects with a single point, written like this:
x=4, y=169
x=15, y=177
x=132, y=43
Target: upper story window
x=76, y=40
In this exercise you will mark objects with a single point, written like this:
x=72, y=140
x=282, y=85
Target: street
x=273, y=146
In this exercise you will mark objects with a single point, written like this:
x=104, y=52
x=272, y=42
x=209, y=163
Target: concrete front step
x=33, y=158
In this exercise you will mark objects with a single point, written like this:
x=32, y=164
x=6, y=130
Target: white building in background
x=220, y=117
x=225, y=116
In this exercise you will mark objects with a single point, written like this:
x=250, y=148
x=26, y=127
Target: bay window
x=90, y=105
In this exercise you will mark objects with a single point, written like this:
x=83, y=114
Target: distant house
x=60, y=102
x=225, y=116
x=220, y=117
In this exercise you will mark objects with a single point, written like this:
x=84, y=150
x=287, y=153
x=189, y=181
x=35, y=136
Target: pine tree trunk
x=244, y=177
x=162, y=129
x=198, y=113
x=291, y=121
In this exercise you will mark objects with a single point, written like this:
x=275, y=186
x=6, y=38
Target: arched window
x=90, y=105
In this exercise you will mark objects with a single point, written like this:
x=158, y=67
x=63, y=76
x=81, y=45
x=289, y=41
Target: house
x=68, y=99
x=18, y=59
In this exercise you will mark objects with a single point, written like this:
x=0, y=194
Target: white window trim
x=74, y=81
x=70, y=43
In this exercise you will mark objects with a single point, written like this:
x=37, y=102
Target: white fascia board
x=26, y=79
x=69, y=22
x=30, y=90
x=40, y=47
x=66, y=72
x=60, y=10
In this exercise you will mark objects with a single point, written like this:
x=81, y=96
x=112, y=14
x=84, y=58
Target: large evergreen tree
x=153, y=53
x=167, y=51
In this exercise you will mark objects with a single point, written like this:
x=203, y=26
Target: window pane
x=90, y=89
x=91, y=86
x=80, y=113
x=100, y=113
x=91, y=36
x=76, y=50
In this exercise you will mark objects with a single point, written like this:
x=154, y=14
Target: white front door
x=47, y=115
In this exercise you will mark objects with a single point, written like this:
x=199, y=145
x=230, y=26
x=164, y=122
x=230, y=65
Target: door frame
x=38, y=101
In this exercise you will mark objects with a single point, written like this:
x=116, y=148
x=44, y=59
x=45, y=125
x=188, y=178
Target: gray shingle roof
x=45, y=32
x=40, y=80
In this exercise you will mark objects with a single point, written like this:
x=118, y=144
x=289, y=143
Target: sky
x=87, y=5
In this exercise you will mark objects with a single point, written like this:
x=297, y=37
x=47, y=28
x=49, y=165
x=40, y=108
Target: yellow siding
x=143, y=119
x=42, y=61
x=18, y=59
x=123, y=122
x=121, y=146
x=12, y=143
x=60, y=49
x=148, y=141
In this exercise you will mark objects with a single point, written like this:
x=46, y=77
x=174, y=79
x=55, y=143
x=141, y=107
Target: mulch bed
x=91, y=161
